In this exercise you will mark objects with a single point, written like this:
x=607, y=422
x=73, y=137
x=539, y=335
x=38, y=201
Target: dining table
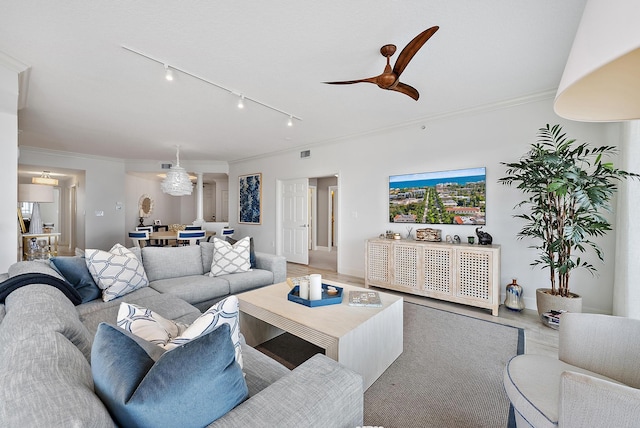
x=162, y=237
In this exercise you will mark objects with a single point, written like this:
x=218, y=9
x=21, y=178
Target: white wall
x=8, y=166
x=165, y=207
x=102, y=191
x=480, y=138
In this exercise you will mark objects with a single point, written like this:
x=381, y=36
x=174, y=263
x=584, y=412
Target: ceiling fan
x=390, y=78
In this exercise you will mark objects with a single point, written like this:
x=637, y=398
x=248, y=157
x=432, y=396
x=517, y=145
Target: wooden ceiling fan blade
x=407, y=90
x=348, y=82
x=412, y=48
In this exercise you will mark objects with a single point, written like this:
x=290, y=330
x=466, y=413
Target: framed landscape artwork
x=250, y=197
x=443, y=197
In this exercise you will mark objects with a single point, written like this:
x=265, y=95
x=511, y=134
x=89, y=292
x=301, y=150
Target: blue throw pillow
x=189, y=386
x=75, y=271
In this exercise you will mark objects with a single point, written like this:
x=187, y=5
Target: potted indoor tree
x=567, y=187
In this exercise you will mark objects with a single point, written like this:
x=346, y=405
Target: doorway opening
x=308, y=221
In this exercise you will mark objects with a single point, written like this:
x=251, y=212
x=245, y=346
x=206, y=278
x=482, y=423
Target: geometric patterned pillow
x=224, y=312
x=147, y=324
x=229, y=258
x=117, y=272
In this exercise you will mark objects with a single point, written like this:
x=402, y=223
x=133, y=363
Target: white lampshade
x=601, y=80
x=35, y=193
x=177, y=181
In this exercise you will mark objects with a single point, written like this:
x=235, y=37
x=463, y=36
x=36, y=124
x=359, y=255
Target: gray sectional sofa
x=45, y=371
x=183, y=273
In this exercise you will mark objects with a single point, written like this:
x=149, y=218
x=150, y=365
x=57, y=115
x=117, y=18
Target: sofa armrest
x=276, y=264
x=602, y=344
x=318, y=393
x=588, y=401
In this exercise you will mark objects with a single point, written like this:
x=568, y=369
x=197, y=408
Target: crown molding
x=24, y=73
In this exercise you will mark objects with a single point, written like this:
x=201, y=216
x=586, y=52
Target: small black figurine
x=483, y=237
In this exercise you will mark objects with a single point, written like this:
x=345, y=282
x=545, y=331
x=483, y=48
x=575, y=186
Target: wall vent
x=166, y=166
x=305, y=154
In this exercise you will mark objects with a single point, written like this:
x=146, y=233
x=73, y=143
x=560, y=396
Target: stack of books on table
x=552, y=318
x=365, y=298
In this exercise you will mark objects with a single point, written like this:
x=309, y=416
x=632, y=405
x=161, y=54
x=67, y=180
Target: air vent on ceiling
x=305, y=153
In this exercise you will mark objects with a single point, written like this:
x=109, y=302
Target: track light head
x=168, y=73
x=290, y=121
x=241, y=102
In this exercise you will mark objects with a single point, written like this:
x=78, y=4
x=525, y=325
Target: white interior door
x=294, y=212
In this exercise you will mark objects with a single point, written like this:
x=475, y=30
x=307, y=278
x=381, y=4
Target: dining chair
x=193, y=237
x=139, y=237
x=155, y=242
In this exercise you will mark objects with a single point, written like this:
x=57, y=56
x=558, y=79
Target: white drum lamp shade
x=35, y=193
x=177, y=181
x=601, y=80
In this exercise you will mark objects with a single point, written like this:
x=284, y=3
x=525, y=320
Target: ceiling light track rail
x=169, y=67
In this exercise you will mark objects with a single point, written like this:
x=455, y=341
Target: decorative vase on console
x=514, y=300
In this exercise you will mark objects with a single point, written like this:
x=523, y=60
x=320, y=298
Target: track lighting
x=168, y=73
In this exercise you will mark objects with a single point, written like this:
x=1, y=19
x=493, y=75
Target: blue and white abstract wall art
x=250, y=197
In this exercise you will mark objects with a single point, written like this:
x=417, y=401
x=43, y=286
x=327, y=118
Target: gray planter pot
x=546, y=302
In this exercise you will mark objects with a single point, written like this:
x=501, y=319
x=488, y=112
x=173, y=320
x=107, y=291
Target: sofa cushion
x=46, y=382
x=75, y=271
x=37, y=308
x=93, y=313
x=193, y=289
x=33, y=266
x=117, y=272
x=239, y=282
x=200, y=379
x=229, y=258
x=206, y=250
x=172, y=262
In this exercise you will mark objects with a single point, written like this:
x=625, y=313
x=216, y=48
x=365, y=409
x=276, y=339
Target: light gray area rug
x=449, y=374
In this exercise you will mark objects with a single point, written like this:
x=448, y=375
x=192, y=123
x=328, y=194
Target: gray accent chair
x=594, y=382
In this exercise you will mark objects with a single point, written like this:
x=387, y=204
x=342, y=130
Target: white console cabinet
x=460, y=273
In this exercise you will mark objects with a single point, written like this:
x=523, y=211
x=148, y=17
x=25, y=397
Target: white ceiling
x=87, y=94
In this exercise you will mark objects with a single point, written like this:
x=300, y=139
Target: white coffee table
x=366, y=340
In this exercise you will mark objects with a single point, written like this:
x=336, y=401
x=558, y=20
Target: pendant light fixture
x=177, y=182
x=45, y=178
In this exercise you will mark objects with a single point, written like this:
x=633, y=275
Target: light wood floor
x=539, y=339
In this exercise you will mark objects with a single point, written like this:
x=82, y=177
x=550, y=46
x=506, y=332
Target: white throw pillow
x=117, y=272
x=169, y=334
x=147, y=324
x=229, y=258
x=224, y=312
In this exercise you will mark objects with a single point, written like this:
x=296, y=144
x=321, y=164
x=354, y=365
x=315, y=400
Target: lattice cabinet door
x=474, y=275
x=405, y=262
x=378, y=262
x=438, y=270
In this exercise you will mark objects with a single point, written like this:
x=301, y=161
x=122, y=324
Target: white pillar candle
x=303, y=289
x=315, y=286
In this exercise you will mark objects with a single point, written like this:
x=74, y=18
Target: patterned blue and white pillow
x=229, y=258
x=169, y=334
x=224, y=312
x=117, y=272
x=147, y=324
